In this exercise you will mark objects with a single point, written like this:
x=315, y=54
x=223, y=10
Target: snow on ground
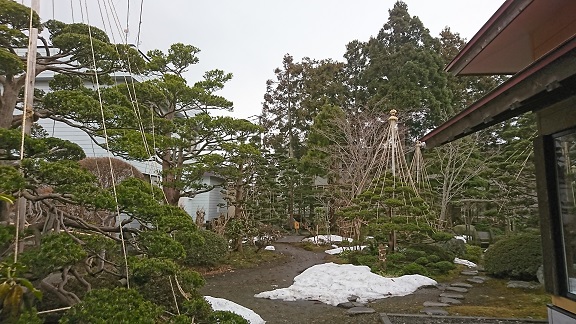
x=467, y=263
x=333, y=283
x=326, y=239
x=461, y=237
x=338, y=250
x=226, y=305
x=270, y=248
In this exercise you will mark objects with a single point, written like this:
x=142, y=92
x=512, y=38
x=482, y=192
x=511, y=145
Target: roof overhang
x=550, y=79
x=519, y=33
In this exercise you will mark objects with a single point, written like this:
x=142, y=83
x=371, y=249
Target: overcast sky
x=249, y=37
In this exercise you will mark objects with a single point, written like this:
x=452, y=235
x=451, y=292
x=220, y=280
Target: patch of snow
x=326, y=239
x=333, y=283
x=338, y=250
x=270, y=248
x=226, y=305
x=462, y=238
x=467, y=263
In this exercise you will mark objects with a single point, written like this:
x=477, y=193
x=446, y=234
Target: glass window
x=565, y=146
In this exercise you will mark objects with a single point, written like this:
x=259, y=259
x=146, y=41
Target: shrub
x=442, y=236
x=395, y=257
x=473, y=253
x=413, y=254
x=453, y=246
x=204, y=248
x=433, y=258
x=113, y=306
x=226, y=317
x=367, y=260
x=516, y=257
x=422, y=260
x=429, y=249
x=414, y=268
x=444, y=266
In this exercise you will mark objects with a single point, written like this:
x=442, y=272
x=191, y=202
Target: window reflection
x=566, y=167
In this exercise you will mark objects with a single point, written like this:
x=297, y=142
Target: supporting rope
x=108, y=148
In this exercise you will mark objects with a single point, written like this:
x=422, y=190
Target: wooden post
x=28, y=112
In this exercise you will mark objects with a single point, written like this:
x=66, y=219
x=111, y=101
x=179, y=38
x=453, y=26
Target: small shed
x=535, y=41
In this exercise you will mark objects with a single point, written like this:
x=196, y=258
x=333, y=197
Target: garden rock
x=452, y=295
x=450, y=301
x=353, y=298
x=360, y=310
x=346, y=305
x=522, y=284
x=433, y=311
x=461, y=284
x=540, y=274
x=457, y=289
x=475, y=280
x=469, y=272
x=435, y=304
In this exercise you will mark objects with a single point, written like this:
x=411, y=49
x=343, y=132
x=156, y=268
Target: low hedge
x=515, y=257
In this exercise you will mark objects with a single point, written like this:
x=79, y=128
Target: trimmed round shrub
x=442, y=236
x=444, y=266
x=413, y=254
x=516, y=257
x=429, y=249
x=226, y=317
x=422, y=260
x=395, y=257
x=204, y=247
x=473, y=253
x=414, y=268
x=453, y=246
x=433, y=258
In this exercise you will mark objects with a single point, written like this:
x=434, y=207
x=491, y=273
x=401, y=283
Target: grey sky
x=250, y=37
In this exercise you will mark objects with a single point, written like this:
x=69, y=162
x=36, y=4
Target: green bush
x=444, y=266
x=516, y=257
x=454, y=247
x=395, y=257
x=113, y=306
x=413, y=254
x=473, y=253
x=226, y=317
x=429, y=249
x=442, y=236
x=433, y=258
x=414, y=268
x=422, y=260
x=367, y=260
x=204, y=247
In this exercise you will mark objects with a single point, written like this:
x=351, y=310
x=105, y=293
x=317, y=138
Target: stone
x=457, y=289
x=469, y=272
x=480, y=277
x=476, y=281
x=433, y=311
x=461, y=284
x=522, y=284
x=358, y=304
x=452, y=295
x=345, y=305
x=434, y=304
x=352, y=298
x=540, y=274
x=360, y=310
x=450, y=301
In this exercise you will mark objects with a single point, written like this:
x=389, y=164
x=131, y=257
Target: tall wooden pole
x=28, y=112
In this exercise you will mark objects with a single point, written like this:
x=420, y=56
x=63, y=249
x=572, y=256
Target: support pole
x=28, y=112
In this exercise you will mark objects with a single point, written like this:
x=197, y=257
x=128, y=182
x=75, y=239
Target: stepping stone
x=457, y=289
x=461, y=284
x=452, y=295
x=346, y=305
x=480, y=278
x=360, y=310
x=358, y=304
x=450, y=301
x=434, y=304
x=352, y=298
x=522, y=284
x=433, y=311
x=469, y=272
x=476, y=281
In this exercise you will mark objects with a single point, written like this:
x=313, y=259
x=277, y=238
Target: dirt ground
x=241, y=285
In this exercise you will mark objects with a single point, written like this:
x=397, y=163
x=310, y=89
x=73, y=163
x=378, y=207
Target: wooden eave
x=550, y=79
